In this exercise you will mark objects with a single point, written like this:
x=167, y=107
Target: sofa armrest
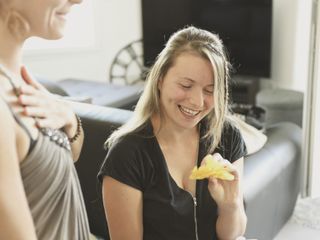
x=98, y=123
x=272, y=181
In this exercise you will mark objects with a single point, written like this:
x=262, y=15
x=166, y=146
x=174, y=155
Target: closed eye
x=208, y=91
x=186, y=86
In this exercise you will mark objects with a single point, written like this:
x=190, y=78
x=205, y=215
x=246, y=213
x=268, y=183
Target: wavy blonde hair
x=194, y=40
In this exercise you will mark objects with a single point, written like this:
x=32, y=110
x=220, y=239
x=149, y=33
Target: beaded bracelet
x=78, y=132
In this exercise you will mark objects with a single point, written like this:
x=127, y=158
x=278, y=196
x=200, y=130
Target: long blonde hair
x=189, y=39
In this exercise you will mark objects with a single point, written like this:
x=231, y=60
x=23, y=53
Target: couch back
x=272, y=181
x=98, y=122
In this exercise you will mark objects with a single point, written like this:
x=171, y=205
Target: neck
x=10, y=51
x=171, y=133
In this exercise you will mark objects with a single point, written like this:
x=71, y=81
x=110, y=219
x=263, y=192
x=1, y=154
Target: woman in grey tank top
x=41, y=137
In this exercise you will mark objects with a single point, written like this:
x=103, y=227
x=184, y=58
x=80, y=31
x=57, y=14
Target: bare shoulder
x=6, y=117
x=8, y=145
x=7, y=128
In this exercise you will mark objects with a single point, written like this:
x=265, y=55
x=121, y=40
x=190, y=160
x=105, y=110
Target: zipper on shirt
x=194, y=199
x=195, y=216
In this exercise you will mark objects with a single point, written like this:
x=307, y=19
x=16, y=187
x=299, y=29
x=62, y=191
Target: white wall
x=302, y=44
x=290, y=40
x=119, y=22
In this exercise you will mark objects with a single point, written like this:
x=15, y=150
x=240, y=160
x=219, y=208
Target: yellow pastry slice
x=211, y=167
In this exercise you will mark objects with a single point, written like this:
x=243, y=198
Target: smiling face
x=186, y=91
x=46, y=18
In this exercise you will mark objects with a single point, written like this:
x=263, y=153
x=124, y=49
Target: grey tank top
x=53, y=190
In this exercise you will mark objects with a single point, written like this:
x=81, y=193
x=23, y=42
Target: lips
x=188, y=111
x=63, y=13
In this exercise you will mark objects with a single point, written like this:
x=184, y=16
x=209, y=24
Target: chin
x=55, y=30
x=53, y=35
x=189, y=124
x=57, y=36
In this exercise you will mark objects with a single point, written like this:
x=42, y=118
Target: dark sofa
x=271, y=176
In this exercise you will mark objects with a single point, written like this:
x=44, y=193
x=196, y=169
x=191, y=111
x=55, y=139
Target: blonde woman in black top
x=181, y=117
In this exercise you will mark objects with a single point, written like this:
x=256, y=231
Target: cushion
x=253, y=138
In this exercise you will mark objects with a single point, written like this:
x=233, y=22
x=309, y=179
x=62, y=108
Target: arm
x=50, y=111
x=123, y=208
x=71, y=129
x=232, y=219
x=15, y=217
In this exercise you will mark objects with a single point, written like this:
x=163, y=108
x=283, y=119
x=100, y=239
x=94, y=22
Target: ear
x=17, y=24
x=159, y=84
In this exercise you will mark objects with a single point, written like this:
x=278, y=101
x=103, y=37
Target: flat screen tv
x=244, y=26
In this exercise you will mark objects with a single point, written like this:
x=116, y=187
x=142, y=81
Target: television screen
x=244, y=26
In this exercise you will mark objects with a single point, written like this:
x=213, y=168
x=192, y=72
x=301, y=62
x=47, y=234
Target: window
x=79, y=32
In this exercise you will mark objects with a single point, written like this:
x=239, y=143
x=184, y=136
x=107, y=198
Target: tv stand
x=243, y=96
x=244, y=90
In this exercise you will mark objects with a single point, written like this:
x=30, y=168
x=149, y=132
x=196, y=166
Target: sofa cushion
x=104, y=94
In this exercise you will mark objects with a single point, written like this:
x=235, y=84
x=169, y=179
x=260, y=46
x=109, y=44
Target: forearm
x=231, y=223
x=75, y=134
x=76, y=146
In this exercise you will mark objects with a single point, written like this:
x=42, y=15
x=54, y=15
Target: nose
x=196, y=98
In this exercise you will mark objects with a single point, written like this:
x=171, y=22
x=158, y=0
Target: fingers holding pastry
x=214, y=166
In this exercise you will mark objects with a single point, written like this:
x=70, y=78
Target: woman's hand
x=46, y=108
x=226, y=193
x=232, y=220
x=50, y=111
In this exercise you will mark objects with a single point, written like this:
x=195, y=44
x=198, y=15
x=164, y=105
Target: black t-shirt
x=168, y=210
